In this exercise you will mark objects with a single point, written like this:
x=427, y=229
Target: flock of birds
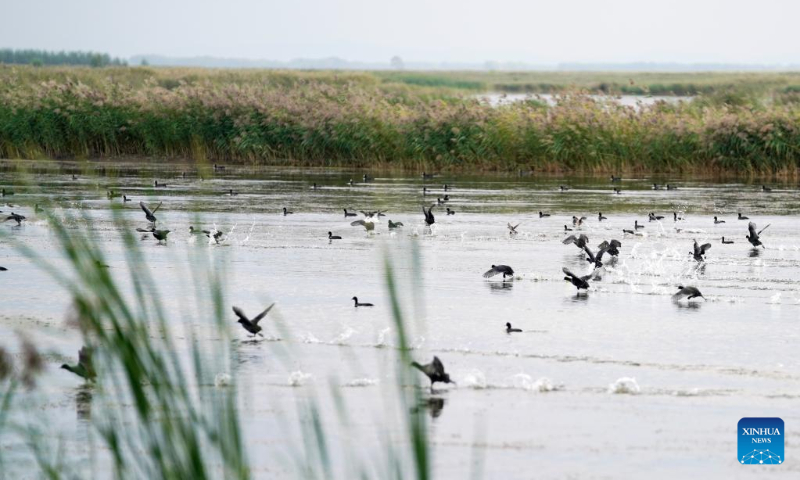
x=435, y=369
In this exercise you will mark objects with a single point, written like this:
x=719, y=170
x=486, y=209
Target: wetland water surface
x=544, y=403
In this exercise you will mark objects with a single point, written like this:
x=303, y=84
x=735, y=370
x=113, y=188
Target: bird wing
x=146, y=210
x=752, y=227
x=568, y=273
x=604, y=244
x=491, y=272
x=358, y=222
x=438, y=367
x=157, y=207
x=568, y=240
x=583, y=239
x=759, y=232
x=239, y=313
x=399, y=224
x=704, y=247
x=681, y=293
x=600, y=254
x=143, y=230
x=589, y=253
x=85, y=357
x=364, y=213
x=262, y=314
x=615, y=243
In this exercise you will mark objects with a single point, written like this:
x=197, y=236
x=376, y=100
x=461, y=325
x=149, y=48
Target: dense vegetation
x=368, y=120
x=44, y=57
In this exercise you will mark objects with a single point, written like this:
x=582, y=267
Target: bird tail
x=417, y=366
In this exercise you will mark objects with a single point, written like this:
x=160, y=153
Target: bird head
x=65, y=366
x=508, y=325
x=354, y=299
x=680, y=287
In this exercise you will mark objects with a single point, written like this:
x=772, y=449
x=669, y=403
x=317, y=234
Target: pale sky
x=530, y=31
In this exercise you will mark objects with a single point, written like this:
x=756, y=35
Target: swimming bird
x=717, y=222
x=498, y=269
x=600, y=217
x=216, y=234
x=672, y=187
x=429, y=220
x=450, y=212
x=656, y=186
x=511, y=330
x=615, y=179
x=232, y=193
x=563, y=188
x=331, y=236
x=742, y=217
x=160, y=235
x=653, y=217
x=690, y=292
x=753, y=237
x=286, y=211
x=367, y=223
x=150, y=215
x=366, y=178
x=84, y=368
x=428, y=175
x=700, y=250
x=512, y=229
x=631, y=232
x=358, y=304
x=6, y=193
x=618, y=191
x=434, y=371
x=349, y=214
x=350, y=182
x=567, y=229
x=543, y=215
x=251, y=326
x=636, y=225
x=446, y=187
x=314, y=186
x=439, y=201
x=577, y=222
x=765, y=188
x=393, y=225
x=424, y=191
x=218, y=168
x=159, y=185
x=3, y=269
x=125, y=199
x=581, y=283
x=611, y=247
x=74, y=177
x=726, y=242
x=675, y=217
x=580, y=241
x=15, y=217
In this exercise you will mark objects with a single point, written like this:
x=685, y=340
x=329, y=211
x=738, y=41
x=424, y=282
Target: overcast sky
x=530, y=31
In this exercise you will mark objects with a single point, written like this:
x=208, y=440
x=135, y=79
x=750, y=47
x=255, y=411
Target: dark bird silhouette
x=543, y=215
x=6, y=193
x=450, y=212
x=597, y=260
x=742, y=217
x=611, y=247
x=159, y=185
x=434, y=371
x=231, y=193
x=3, y=269
x=15, y=217
x=84, y=368
x=625, y=230
x=700, y=250
x=581, y=283
x=690, y=292
x=765, y=188
x=656, y=186
x=218, y=168
x=600, y=217
x=563, y=188
x=125, y=199
x=366, y=178
x=216, y=235
x=314, y=186
x=150, y=215
x=331, y=236
x=753, y=237
x=439, y=201
x=349, y=214
x=498, y=269
x=286, y=211
x=580, y=241
x=446, y=187
x=567, y=229
x=577, y=222
x=675, y=217
x=424, y=191
x=512, y=229
x=618, y=191
x=653, y=217
x=717, y=222
x=160, y=235
x=511, y=330
x=726, y=242
x=358, y=304
x=251, y=326
x=428, y=175
x=393, y=225
x=615, y=179
x=636, y=225
x=672, y=187
x=429, y=220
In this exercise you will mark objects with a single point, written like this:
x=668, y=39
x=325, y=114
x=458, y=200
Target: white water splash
x=526, y=382
x=309, y=337
x=362, y=382
x=344, y=336
x=222, y=380
x=775, y=299
x=624, y=385
x=380, y=342
x=298, y=378
x=475, y=379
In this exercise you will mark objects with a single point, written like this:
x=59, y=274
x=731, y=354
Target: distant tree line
x=43, y=57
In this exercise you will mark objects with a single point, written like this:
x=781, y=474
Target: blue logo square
x=761, y=441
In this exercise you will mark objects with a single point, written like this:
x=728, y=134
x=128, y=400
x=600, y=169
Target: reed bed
x=354, y=120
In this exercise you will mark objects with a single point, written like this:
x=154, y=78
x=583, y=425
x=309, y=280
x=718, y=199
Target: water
x=610, y=384
x=496, y=99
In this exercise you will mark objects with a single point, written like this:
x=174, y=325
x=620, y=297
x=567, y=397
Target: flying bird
x=84, y=368
x=512, y=229
x=252, y=326
x=429, y=220
x=150, y=215
x=689, y=292
x=579, y=282
x=498, y=269
x=700, y=250
x=15, y=217
x=434, y=371
x=580, y=241
x=753, y=237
